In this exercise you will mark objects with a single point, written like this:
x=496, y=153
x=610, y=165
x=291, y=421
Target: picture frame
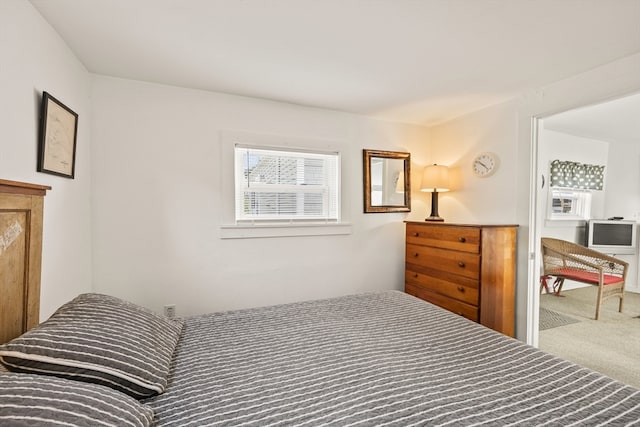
x=58, y=134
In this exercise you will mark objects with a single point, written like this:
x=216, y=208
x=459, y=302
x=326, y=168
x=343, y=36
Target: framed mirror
x=387, y=187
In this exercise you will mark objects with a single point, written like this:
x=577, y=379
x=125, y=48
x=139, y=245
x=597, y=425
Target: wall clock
x=485, y=164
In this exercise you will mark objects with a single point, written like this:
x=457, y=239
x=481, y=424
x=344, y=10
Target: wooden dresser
x=467, y=269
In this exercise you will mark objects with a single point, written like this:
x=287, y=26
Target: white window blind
x=286, y=185
x=569, y=204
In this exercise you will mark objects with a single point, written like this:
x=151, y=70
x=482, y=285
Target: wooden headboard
x=21, y=206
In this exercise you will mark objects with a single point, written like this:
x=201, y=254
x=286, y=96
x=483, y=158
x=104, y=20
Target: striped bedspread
x=375, y=359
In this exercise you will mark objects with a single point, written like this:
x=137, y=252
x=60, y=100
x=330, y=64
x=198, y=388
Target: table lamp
x=435, y=179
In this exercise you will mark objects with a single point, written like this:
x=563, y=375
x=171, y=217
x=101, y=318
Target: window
x=284, y=185
x=569, y=204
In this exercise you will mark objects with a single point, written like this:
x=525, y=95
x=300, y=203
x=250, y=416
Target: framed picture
x=58, y=130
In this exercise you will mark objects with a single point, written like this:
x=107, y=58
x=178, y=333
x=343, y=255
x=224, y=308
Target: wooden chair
x=568, y=260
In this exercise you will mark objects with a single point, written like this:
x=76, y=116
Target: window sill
x=283, y=230
x=564, y=222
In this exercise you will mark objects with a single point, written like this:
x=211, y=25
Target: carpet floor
x=610, y=345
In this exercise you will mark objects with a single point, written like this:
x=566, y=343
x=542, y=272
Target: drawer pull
x=462, y=239
x=416, y=234
x=415, y=275
x=416, y=255
x=461, y=264
x=461, y=289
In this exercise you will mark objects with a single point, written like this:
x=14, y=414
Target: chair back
x=558, y=254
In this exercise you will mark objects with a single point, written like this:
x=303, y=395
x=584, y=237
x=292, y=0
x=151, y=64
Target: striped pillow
x=43, y=401
x=99, y=339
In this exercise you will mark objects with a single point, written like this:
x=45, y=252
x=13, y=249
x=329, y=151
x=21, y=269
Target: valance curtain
x=578, y=176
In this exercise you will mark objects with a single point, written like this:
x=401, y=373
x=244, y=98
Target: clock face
x=485, y=164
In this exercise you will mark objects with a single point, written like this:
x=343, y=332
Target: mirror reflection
x=387, y=182
x=386, y=178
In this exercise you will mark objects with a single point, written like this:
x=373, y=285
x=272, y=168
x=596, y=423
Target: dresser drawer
x=462, y=263
x=455, y=306
x=465, y=239
x=457, y=287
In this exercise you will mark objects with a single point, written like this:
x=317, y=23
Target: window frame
x=581, y=201
x=329, y=190
x=230, y=229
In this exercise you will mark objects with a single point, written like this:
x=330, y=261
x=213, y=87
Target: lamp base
x=434, y=208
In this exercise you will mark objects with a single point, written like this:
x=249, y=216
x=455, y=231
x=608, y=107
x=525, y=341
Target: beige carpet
x=610, y=345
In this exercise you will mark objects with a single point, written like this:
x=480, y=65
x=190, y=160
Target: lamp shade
x=435, y=178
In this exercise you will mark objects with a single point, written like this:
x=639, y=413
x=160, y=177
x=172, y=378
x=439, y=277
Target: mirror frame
x=366, y=157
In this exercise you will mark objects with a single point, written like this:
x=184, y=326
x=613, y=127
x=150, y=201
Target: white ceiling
x=614, y=121
x=414, y=61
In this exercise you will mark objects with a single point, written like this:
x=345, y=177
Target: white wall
x=456, y=143
x=154, y=134
x=509, y=195
x=554, y=145
x=35, y=59
x=622, y=197
x=159, y=173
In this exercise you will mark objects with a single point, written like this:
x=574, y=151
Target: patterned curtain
x=577, y=176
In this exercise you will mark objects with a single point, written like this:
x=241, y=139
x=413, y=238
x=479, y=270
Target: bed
x=384, y=358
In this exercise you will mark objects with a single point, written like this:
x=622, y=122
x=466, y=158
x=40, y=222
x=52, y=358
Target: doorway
x=603, y=134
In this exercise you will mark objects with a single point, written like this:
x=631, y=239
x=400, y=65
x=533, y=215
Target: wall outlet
x=170, y=311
